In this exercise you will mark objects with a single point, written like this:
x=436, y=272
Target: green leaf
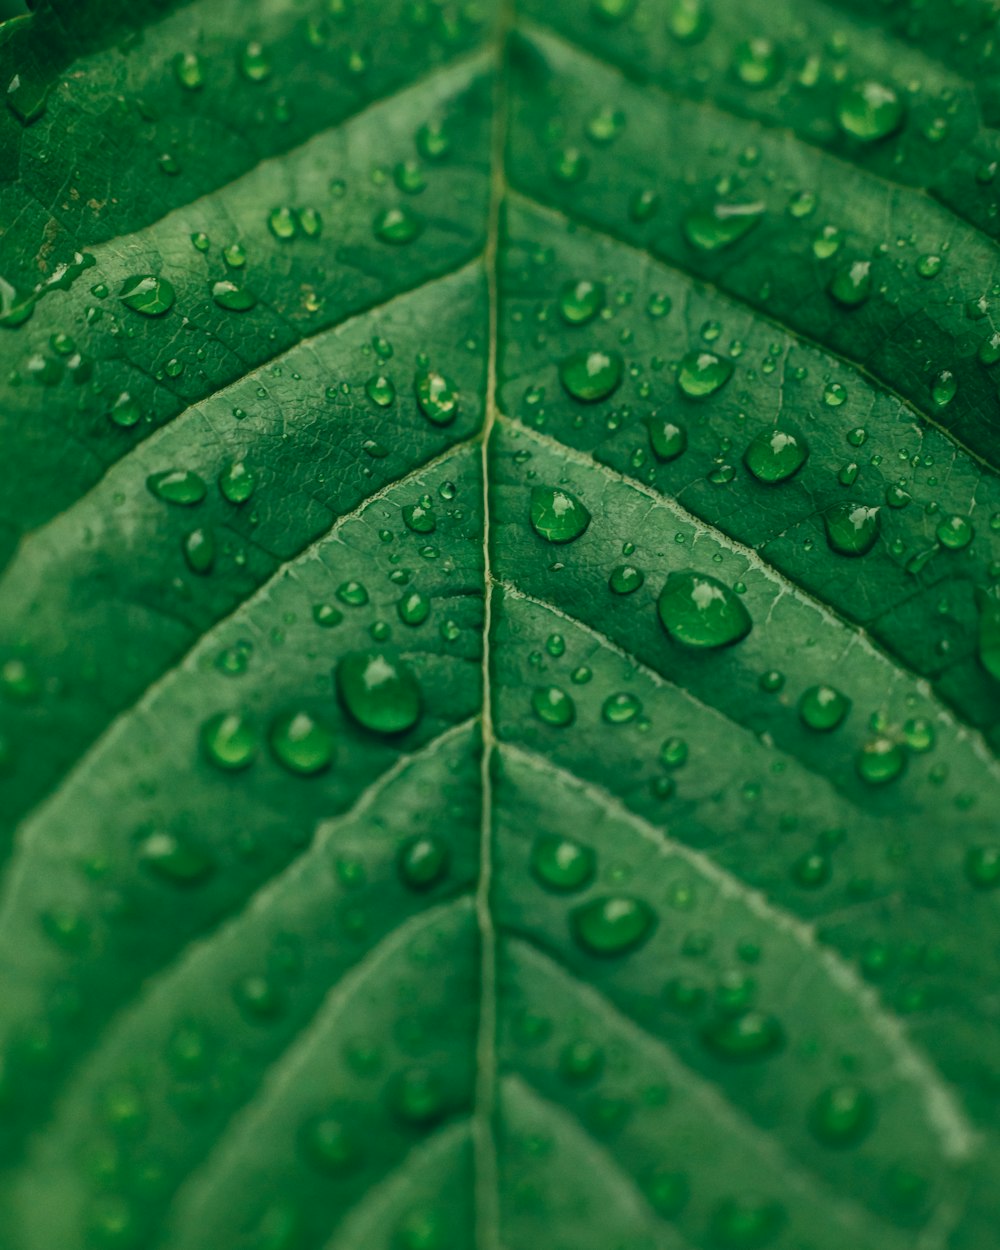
x=499, y=629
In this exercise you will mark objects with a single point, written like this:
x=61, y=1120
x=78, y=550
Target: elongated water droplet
x=612, y=926
x=851, y=285
x=591, y=375
x=198, y=547
x=703, y=373
x=177, y=486
x=667, y=439
x=852, y=528
x=746, y=1037
x=437, y=397
x=699, y=611
x=233, y=297
x=757, y=62
x=721, y=225
x=557, y=515
x=237, y=482
x=379, y=691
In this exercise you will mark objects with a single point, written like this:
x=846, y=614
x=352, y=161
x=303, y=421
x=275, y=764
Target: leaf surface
x=499, y=635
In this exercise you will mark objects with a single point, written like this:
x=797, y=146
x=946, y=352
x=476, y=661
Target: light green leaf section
x=383, y=865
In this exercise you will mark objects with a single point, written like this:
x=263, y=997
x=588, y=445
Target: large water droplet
x=776, y=454
x=591, y=375
x=613, y=925
x=379, y=691
x=301, y=742
x=699, y=611
x=852, y=528
x=553, y=706
x=562, y=864
x=148, y=294
x=721, y=225
x=557, y=515
x=437, y=397
x=702, y=373
x=869, y=111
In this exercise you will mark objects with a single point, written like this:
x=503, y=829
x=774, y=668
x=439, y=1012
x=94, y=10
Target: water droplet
x=943, y=388
x=580, y=1062
x=842, y=1115
x=673, y=752
x=823, y=708
x=174, y=859
x=626, y=579
x=757, y=62
x=380, y=692
x=612, y=11
x=398, y=225
x=562, y=864
x=982, y=867
x=283, y=223
x=423, y=862
x=237, y=482
x=851, y=285
x=851, y=528
x=702, y=373
x=420, y=517
x=834, y=394
x=414, y=608
x=746, y=1223
x=580, y=302
x=125, y=411
x=301, y=742
x=811, y=870
x=234, y=298
x=258, y=998
x=613, y=925
x=880, y=761
x=667, y=440
x=148, y=294
x=699, y=611
x=746, y=1037
x=254, y=63
x=553, y=706
x=869, y=111
x=721, y=225
x=620, y=709
x=988, y=602
x=380, y=390
x=229, y=741
x=417, y=1096
x=955, y=532
x=667, y=1192
x=688, y=21
x=353, y=594
x=437, y=397
x=557, y=515
x=198, y=547
x=591, y=375
x=776, y=454
x=188, y=70
x=329, y=1145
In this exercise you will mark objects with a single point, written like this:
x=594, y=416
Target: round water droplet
x=557, y=515
x=379, y=691
x=353, y=594
x=580, y=302
x=626, y=579
x=620, y=709
x=851, y=528
x=955, y=532
x=420, y=517
x=553, y=706
x=414, y=608
x=880, y=761
x=842, y=1115
x=125, y=411
x=234, y=298
x=590, y=376
x=423, y=862
x=811, y=870
x=437, y=397
x=746, y=1037
x=703, y=373
x=398, y=225
x=982, y=867
x=699, y=611
x=228, y=740
x=869, y=111
x=561, y=864
x=613, y=925
x=667, y=439
x=851, y=285
x=757, y=62
x=283, y=223
x=776, y=454
x=303, y=744
x=329, y=1145
x=148, y=294
x=823, y=708
x=721, y=225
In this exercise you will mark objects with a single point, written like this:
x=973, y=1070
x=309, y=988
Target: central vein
x=487, y=1187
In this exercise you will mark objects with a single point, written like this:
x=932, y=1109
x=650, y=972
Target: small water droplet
x=823, y=708
x=398, y=225
x=301, y=742
x=721, y=225
x=880, y=761
x=229, y=741
x=561, y=864
x=423, y=862
x=842, y=1115
x=581, y=301
x=667, y=439
x=612, y=926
